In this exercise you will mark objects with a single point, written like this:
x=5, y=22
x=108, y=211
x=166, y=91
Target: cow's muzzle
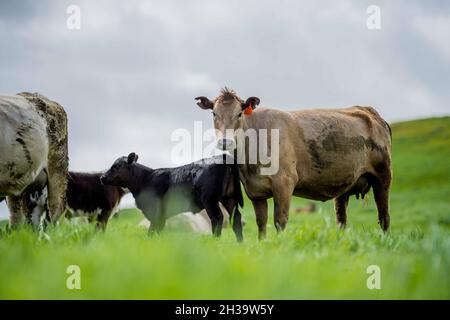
x=226, y=144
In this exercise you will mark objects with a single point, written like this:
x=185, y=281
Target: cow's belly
x=338, y=177
x=23, y=152
x=179, y=199
x=256, y=186
x=323, y=191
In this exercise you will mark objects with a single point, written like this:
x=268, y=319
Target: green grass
x=312, y=259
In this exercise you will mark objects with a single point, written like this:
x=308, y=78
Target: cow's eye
x=214, y=114
x=240, y=115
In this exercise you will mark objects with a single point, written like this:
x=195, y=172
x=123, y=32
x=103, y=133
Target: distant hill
x=421, y=153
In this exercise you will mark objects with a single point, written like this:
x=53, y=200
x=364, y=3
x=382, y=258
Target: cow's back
x=355, y=135
x=325, y=149
x=341, y=145
x=23, y=144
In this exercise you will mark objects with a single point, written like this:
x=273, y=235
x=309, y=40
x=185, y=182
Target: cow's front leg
x=282, y=194
x=260, y=206
x=216, y=217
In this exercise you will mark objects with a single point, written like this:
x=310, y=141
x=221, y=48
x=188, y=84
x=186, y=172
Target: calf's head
x=229, y=112
x=120, y=172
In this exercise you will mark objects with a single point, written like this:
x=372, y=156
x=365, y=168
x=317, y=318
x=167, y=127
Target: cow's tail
x=389, y=128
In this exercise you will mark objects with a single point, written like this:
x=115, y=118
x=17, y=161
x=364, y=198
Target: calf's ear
x=251, y=102
x=204, y=103
x=132, y=158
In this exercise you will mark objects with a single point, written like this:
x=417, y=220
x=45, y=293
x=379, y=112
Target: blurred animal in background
x=310, y=208
x=33, y=153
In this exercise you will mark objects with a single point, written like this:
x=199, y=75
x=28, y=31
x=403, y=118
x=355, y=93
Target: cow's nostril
x=225, y=144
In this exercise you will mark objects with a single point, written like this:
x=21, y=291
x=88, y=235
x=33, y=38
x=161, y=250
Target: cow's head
x=229, y=112
x=120, y=172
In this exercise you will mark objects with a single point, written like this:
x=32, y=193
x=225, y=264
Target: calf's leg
x=216, y=217
x=158, y=224
x=233, y=211
x=237, y=225
x=102, y=219
x=156, y=215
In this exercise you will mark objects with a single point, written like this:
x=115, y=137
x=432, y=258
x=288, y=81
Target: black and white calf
x=86, y=195
x=163, y=193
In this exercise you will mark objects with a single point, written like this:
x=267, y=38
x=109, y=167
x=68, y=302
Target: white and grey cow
x=33, y=153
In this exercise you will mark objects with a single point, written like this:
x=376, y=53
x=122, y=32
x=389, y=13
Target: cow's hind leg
x=260, y=206
x=57, y=187
x=381, y=195
x=340, y=206
x=17, y=209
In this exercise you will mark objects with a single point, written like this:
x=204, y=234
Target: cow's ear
x=251, y=102
x=132, y=158
x=204, y=103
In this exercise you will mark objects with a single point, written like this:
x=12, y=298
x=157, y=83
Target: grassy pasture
x=312, y=259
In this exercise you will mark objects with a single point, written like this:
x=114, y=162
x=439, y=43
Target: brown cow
x=323, y=154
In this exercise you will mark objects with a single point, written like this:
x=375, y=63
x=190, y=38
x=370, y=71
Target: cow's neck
x=138, y=175
x=250, y=172
x=248, y=124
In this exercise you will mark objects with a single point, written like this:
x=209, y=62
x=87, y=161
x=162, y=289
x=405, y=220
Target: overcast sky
x=128, y=77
